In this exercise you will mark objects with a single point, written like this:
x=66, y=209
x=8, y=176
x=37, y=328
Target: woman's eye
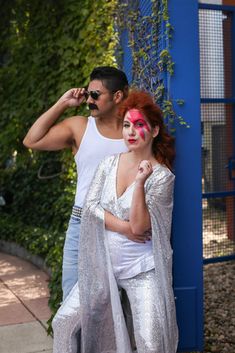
x=139, y=124
x=125, y=125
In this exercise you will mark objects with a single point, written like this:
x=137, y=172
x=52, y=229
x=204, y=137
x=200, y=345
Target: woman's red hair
x=163, y=143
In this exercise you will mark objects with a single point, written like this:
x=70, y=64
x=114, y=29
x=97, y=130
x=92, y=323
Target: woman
x=131, y=197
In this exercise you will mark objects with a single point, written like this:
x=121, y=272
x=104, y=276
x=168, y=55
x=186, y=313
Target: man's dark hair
x=112, y=78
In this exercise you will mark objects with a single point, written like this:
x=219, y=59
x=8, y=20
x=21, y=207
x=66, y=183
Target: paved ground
x=23, y=307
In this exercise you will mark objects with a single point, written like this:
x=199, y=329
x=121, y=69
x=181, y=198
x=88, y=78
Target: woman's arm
x=123, y=227
x=92, y=204
x=139, y=215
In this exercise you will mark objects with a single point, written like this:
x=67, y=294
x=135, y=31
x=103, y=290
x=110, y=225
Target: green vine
x=46, y=48
x=149, y=38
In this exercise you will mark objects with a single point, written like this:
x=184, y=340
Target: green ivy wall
x=46, y=47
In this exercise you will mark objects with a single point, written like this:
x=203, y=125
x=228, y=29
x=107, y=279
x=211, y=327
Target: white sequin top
x=128, y=258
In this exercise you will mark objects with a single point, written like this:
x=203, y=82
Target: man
x=90, y=141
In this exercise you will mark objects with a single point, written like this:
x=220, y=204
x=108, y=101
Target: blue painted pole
x=187, y=220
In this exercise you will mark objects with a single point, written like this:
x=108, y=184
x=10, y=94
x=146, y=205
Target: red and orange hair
x=163, y=143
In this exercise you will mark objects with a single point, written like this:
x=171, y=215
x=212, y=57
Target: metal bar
x=218, y=100
x=209, y=195
x=233, y=75
x=219, y=259
x=216, y=7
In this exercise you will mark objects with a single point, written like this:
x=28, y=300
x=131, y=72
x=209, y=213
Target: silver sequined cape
x=103, y=325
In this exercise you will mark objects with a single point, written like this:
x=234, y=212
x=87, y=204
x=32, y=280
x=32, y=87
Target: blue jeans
x=70, y=256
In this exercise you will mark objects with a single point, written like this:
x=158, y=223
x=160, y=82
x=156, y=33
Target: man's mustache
x=92, y=106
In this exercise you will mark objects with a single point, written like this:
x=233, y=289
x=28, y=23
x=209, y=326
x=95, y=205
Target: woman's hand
x=139, y=214
x=138, y=238
x=144, y=171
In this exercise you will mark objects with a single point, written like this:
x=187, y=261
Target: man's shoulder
x=77, y=125
x=76, y=120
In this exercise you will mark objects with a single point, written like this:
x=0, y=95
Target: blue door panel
x=187, y=220
x=127, y=56
x=186, y=309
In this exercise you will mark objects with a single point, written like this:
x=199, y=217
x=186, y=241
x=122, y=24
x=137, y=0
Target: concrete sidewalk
x=23, y=307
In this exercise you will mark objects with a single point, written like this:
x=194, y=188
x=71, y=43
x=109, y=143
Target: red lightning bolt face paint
x=139, y=122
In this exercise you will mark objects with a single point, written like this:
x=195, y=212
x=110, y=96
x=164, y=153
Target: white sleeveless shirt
x=93, y=148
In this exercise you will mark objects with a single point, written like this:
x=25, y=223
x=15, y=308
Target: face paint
x=139, y=122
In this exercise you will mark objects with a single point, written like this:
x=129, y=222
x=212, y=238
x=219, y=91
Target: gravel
x=219, y=307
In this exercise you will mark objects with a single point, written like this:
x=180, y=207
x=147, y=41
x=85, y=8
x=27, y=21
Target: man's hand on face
x=73, y=97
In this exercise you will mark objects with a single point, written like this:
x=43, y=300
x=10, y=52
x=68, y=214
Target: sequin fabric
x=66, y=324
x=141, y=294
x=99, y=311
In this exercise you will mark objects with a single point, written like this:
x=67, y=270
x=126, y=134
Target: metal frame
x=222, y=101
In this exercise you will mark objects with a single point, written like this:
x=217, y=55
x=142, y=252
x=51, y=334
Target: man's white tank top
x=93, y=148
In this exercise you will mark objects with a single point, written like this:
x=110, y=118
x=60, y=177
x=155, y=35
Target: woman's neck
x=136, y=157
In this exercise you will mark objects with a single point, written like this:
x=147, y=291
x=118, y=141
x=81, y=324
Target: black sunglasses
x=94, y=94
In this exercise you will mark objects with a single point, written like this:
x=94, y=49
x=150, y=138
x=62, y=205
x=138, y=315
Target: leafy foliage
x=46, y=48
x=149, y=39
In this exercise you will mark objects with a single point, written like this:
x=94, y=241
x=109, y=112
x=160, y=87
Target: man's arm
x=46, y=135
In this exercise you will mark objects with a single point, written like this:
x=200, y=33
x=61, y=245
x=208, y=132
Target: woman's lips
x=131, y=141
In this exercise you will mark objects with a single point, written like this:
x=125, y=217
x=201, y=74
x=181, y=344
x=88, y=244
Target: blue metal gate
x=216, y=25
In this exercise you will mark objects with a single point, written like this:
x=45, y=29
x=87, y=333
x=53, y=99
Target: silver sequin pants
x=140, y=292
